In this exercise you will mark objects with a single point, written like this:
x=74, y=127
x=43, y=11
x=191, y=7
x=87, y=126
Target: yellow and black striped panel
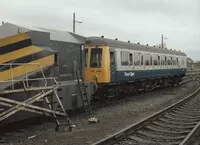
x=14, y=43
x=14, y=39
x=19, y=49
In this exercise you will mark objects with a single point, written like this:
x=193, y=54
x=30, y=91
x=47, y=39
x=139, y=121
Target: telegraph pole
x=162, y=41
x=74, y=21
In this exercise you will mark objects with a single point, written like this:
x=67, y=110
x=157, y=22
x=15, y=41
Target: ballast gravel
x=112, y=119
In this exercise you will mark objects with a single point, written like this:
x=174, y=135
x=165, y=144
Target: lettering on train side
x=129, y=74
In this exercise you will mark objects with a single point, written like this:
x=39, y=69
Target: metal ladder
x=83, y=93
x=61, y=109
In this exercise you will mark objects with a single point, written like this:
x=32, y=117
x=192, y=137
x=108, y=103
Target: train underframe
x=105, y=92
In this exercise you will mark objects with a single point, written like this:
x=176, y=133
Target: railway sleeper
x=161, y=137
x=172, y=126
x=143, y=140
x=161, y=133
x=181, y=119
x=169, y=129
x=188, y=114
x=193, y=102
x=191, y=106
x=183, y=116
x=139, y=140
x=128, y=142
x=177, y=123
x=164, y=130
x=188, y=110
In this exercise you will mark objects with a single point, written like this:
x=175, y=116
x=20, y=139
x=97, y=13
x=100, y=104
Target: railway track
x=174, y=125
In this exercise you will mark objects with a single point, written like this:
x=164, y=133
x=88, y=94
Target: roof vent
x=138, y=43
x=102, y=36
x=147, y=44
x=128, y=41
x=154, y=46
x=3, y=23
x=116, y=39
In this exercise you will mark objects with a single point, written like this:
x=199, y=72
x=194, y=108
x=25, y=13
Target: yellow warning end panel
x=19, y=51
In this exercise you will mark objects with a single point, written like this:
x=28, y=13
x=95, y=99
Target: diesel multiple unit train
x=116, y=65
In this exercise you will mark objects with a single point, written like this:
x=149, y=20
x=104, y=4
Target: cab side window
x=96, y=58
x=86, y=57
x=112, y=58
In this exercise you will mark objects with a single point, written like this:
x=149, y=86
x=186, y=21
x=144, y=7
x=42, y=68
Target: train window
x=147, y=59
x=177, y=60
x=96, y=58
x=165, y=60
x=141, y=60
x=162, y=60
x=130, y=59
x=158, y=60
x=168, y=61
x=171, y=63
x=112, y=58
x=86, y=57
x=124, y=57
x=150, y=60
x=137, y=59
x=174, y=62
x=155, y=60
x=183, y=62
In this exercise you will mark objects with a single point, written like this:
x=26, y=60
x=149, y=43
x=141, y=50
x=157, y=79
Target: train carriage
x=115, y=62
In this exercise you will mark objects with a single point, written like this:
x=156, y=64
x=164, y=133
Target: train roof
x=9, y=29
x=127, y=45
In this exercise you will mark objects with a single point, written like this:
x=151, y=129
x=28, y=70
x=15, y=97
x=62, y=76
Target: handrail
x=11, y=72
x=26, y=79
x=18, y=64
x=36, y=79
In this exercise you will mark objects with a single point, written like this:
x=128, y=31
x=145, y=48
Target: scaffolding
x=46, y=87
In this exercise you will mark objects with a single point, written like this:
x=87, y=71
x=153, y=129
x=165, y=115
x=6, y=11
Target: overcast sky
x=136, y=20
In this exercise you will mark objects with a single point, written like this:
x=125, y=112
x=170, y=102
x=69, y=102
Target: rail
x=130, y=131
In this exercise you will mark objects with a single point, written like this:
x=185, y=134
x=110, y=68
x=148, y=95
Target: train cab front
x=97, y=68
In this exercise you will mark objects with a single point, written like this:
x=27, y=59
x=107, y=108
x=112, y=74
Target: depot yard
x=112, y=118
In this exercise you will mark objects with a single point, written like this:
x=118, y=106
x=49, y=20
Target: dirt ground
x=112, y=119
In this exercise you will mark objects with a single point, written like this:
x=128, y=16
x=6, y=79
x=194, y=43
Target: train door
x=113, y=69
